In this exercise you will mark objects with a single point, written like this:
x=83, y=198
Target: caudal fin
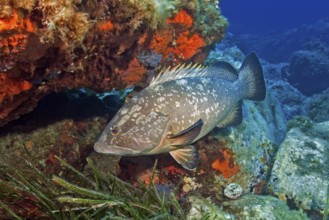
x=252, y=77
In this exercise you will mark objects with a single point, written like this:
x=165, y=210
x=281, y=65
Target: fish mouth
x=113, y=149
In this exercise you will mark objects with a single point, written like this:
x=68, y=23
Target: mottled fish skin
x=186, y=101
x=180, y=108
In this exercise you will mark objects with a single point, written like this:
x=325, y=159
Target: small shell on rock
x=233, y=191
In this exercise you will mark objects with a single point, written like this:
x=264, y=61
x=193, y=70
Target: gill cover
x=133, y=136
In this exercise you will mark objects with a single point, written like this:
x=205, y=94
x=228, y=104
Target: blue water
x=260, y=16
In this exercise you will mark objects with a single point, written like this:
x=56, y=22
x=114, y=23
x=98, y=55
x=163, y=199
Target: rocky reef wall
x=49, y=45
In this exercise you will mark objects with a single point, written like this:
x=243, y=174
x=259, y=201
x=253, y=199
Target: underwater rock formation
x=261, y=207
x=304, y=65
x=46, y=45
x=318, y=106
x=292, y=101
x=60, y=126
x=278, y=47
x=246, y=207
x=201, y=208
x=300, y=172
x=232, y=55
x=308, y=71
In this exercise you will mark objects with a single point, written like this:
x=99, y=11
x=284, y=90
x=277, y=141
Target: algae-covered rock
x=262, y=207
x=202, y=208
x=300, y=172
x=63, y=125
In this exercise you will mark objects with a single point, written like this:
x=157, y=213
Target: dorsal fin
x=220, y=69
x=223, y=70
x=179, y=72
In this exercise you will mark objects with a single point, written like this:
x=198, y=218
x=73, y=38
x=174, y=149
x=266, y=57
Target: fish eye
x=115, y=130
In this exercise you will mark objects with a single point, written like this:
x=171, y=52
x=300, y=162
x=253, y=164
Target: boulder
x=247, y=207
x=277, y=47
x=308, y=71
x=300, y=172
x=292, y=101
x=65, y=125
x=261, y=207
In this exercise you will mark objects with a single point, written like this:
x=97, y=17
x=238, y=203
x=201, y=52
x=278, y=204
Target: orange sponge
x=181, y=18
x=186, y=45
x=10, y=87
x=134, y=73
x=182, y=45
x=17, y=37
x=106, y=26
x=225, y=164
x=16, y=22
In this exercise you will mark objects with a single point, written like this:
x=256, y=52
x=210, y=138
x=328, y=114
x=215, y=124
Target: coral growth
x=106, y=26
x=209, y=21
x=11, y=87
x=15, y=22
x=161, y=41
x=134, y=73
x=24, y=4
x=14, y=43
x=97, y=44
x=152, y=13
x=62, y=20
x=187, y=46
x=7, y=6
x=183, y=45
x=181, y=18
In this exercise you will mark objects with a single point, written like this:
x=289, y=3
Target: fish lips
x=112, y=149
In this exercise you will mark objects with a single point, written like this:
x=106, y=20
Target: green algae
x=151, y=12
x=302, y=122
x=208, y=18
x=202, y=208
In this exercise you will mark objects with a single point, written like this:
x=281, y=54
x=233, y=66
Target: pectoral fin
x=186, y=156
x=186, y=136
x=234, y=117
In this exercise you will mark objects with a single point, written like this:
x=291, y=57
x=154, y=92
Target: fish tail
x=252, y=77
